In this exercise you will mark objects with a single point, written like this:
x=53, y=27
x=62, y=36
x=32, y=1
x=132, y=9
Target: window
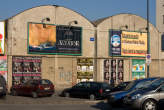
x=162, y=42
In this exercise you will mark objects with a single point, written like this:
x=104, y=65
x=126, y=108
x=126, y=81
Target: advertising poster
x=52, y=39
x=25, y=68
x=113, y=71
x=2, y=37
x=138, y=69
x=115, y=42
x=133, y=44
x=107, y=75
x=120, y=71
x=3, y=66
x=126, y=43
x=85, y=69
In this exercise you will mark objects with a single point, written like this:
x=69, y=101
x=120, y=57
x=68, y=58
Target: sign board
x=148, y=59
x=92, y=39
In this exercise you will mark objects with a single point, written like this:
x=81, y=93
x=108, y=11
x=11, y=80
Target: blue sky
x=91, y=9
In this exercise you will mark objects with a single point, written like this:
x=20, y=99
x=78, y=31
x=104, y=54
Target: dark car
x=117, y=97
x=146, y=97
x=91, y=90
x=3, y=86
x=34, y=88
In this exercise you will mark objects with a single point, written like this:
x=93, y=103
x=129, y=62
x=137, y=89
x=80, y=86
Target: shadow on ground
x=105, y=106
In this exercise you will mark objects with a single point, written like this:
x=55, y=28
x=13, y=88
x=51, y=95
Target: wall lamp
x=141, y=30
x=125, y=26
x=45, y=19
x=75, y=22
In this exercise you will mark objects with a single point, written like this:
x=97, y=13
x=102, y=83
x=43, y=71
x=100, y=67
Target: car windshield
x=154, y=84
x=130, y=85
x=44, y=82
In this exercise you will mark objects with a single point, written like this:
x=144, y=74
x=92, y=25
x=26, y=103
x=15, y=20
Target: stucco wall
x=60, y=69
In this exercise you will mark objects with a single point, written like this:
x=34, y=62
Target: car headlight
x=136, y=96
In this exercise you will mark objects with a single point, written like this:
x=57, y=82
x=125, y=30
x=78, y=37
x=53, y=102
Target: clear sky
x=91, y=9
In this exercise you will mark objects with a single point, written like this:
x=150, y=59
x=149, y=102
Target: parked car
x=3, y=86
x=117, y=97
x=34, y=88
x=147, y=97
x=91, y=90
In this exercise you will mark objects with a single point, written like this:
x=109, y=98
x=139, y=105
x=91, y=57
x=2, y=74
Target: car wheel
x=92, y=97
x=14, y=93
x=34, y=95
x=66, y=94
x=149, y=105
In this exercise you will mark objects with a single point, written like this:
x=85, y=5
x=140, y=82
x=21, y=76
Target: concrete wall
x=134, y=23
x=58, y=68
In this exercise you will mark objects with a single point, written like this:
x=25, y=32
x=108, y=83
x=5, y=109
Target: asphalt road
x=53, y=103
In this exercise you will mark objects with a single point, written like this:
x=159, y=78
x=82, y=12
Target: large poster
x=133, y=44
x=25, y=68
x=138, y=69
x=85, y=69
x=52, y=39
x=113, y=71
x=120, y=70
x=2, y=37
x=3, y=66
x=115, y=42
x=107, y=73
x=125, y=43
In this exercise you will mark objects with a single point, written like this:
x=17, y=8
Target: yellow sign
x=133, y=44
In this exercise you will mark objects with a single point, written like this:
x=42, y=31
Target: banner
x=115, y=42
x=3, y=66
x=124, y=43
x=138, y=69
x=52, y=39
x=2, y=37
x=133, y=44
x=25, y=68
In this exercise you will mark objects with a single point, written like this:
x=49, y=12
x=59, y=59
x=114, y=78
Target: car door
x=86, y=89
x=161, y=93
x=26, y=88
x=76, y=90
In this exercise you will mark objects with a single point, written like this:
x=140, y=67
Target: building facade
x=56, y=43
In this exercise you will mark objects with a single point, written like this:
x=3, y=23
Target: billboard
x=52, y=39
x=125, y=43
x=2, y=37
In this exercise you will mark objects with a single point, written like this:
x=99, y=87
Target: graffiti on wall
x=65, y=76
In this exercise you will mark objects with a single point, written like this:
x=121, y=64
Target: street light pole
x=148, y=37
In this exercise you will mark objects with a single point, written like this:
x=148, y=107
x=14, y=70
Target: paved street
x=53, y=103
